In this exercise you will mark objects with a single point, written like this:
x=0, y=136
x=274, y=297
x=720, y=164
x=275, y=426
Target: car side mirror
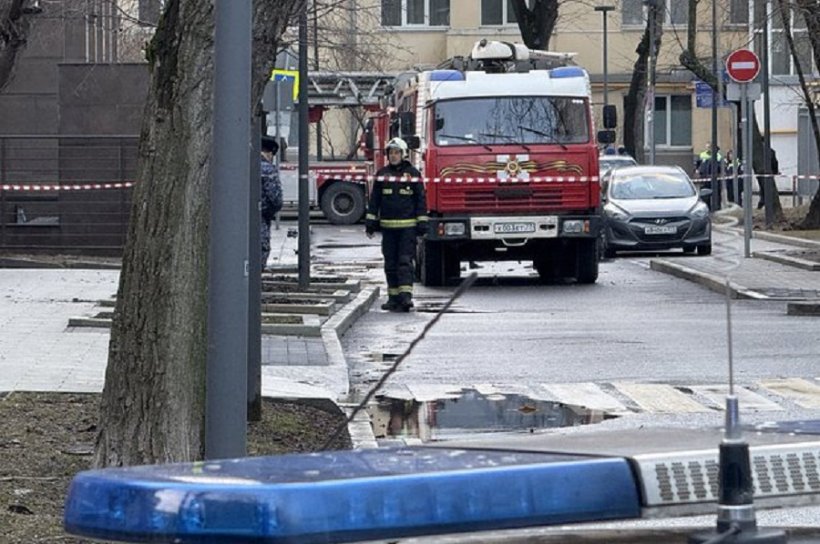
x=610, y=117
x=606, y=136
x=413, y=142
x=705, y=192
x=407, y=123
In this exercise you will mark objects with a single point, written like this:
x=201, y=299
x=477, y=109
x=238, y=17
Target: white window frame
x=668, y=113
x=810, y=70
x=667, y=17
x=425, y=24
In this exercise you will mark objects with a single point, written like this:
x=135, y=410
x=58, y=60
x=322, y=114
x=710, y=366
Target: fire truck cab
x=505, y=143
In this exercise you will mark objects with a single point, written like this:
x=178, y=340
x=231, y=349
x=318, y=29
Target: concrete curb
x=360, y=430
x=787, y=260
x=771, y=237
x=710, y=281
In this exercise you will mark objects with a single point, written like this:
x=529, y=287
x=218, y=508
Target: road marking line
x=586, y=394
x=748, y=400
x=660, y=398
x=800, y=391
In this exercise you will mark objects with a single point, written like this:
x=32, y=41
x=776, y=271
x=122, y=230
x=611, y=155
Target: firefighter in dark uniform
x=398, y=209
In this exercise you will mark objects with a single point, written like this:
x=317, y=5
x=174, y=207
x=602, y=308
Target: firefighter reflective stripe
x=422, y=218
x=393, y=291
x=370, y=216
x=387, y=191
x=398, y=223
x=405, y=289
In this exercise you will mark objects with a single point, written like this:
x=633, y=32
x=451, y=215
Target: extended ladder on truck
x=338, y=188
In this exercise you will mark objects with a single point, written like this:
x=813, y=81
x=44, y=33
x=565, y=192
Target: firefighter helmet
x=397, y=143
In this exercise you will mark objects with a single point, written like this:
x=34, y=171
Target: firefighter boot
x=392, y=304
x=405, y=302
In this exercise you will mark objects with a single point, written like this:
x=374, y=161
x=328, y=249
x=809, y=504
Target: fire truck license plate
x=513, y=228
x=660, y=230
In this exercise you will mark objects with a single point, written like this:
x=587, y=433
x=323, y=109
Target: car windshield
x=511, y=120
x=644, y=185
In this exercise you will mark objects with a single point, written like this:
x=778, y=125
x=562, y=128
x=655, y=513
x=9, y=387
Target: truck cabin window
x=511, y=120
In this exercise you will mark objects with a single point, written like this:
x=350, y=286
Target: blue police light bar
x=348, y=495
x=446, y=75
x=566, y=71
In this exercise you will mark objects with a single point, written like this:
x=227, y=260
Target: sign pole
x=747, y=170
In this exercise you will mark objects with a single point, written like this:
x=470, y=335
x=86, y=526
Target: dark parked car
x=654, y=207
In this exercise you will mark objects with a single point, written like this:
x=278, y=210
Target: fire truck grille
x=514, y=197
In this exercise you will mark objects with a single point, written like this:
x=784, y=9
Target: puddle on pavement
x=473, y=413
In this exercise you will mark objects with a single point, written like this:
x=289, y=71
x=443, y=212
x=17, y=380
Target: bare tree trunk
x=536, y=24
x=634, y=101
x=15, y=24
x=810, y=9
x=152, y=408
x=689, y=60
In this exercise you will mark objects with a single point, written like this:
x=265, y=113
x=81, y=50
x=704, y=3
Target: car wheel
x=705, y=249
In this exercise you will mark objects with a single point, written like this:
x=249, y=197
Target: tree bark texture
x=810, y=10
x=152, y=408
x=14, y=29
x=536, y=24
x=635, y=99
x=689, y=60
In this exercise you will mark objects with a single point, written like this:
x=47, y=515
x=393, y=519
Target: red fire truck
x=504, y=140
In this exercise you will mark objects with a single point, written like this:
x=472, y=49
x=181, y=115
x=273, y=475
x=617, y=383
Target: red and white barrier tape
x=476, y=180
x=75, y=187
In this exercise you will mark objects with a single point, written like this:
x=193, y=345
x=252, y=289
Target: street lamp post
x=604, y=10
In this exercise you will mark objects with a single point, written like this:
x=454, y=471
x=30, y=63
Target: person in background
x=732, y=165
x=398, y=208
x=271, y=201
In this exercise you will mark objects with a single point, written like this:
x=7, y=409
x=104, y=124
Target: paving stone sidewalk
x=761, y=276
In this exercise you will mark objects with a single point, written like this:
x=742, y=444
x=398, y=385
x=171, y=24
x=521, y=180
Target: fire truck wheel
x=343, y=203
x=586, y=264
x=436, y=264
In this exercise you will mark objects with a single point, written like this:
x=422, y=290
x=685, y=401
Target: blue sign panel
x=703, y=96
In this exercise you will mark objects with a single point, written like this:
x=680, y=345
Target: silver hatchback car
x=652, y=208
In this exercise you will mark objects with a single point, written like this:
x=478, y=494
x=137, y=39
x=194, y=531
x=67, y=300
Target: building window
x=780, y=58
x=673, y=120
x=634, y=13
x=739, y=12
x=415, y=12
x=499, y=12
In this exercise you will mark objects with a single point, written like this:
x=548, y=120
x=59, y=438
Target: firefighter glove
x=370, y=226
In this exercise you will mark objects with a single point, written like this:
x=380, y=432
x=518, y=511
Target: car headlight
x=699, y=211
x=610, y=210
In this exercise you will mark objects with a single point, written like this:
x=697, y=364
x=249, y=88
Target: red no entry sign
x=742, y=65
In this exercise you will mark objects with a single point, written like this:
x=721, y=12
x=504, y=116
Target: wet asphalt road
x=634, y=325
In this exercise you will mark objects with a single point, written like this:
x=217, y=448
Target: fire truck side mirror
x=606, y=136
x=407, y=123
x=413, y=142
x=610, y=116
x=368, y=134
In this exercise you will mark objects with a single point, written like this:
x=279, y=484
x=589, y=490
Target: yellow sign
x=288, y=75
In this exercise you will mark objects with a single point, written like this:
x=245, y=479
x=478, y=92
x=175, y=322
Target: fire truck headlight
x=454, y=229
x=574, y=226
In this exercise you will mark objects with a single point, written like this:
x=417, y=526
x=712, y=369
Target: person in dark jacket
x=271, y=202
x=397, y=207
